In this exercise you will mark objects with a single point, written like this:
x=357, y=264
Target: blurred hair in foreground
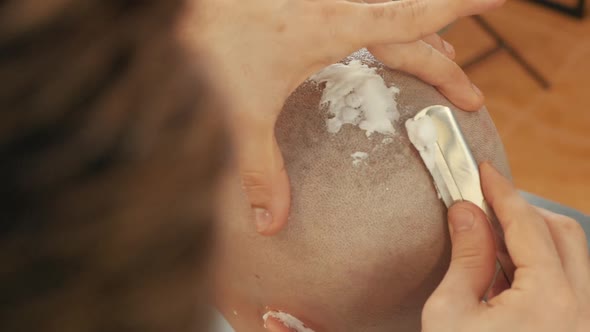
x=110, y=150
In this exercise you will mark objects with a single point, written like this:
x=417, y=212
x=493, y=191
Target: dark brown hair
x=110, y=148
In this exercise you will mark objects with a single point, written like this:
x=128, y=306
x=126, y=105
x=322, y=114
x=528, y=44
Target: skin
x=264, y=43
x=550, y=290
x=365, y=247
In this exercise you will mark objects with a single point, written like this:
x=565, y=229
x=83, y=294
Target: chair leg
x=502, y=44
x=577, y=11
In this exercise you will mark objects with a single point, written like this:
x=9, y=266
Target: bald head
x=366, y=244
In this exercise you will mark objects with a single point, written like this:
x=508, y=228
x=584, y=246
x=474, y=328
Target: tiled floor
x=546, y=132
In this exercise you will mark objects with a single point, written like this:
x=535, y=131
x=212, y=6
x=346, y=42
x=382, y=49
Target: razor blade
x=456, y=176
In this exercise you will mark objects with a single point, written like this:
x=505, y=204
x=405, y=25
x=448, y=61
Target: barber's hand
x=551, y=289
x=262, y=50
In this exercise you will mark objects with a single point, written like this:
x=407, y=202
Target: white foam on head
x=355, y=94
x=387, y=140
x=358, y=158
x=423, y=135
x=287, y=320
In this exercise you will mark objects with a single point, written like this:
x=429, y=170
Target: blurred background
x=533, y=64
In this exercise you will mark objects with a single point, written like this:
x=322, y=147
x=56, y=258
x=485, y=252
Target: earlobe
x=264, y=178
x=280, y=202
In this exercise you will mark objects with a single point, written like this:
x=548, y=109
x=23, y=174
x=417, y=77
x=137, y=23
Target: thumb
x=264, y=178
x=473, y=257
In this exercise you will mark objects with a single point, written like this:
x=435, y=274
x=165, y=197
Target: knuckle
x=454, y=74
x=378, y=12
x=437, y=39
x=417, y=9
x=450, y=81
x=509, y=199
x=437, y=306
x=470, y=258
x=510, y=224
x=429, y=51
x=510, y=206
x=329, y=17
x=450, y=77
x=328, y=11
x=572, y=227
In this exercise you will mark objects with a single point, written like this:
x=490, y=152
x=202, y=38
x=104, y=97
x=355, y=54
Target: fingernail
x=477, y=90
x=461, y=220
x=448, y=47
x=263, y=219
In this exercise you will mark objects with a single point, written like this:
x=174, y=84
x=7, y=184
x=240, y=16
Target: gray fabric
x=364, y=247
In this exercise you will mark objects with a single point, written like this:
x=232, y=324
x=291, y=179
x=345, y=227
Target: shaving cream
x=355, y=94
x=358, y=158
x=287, y=320
x=423, y=135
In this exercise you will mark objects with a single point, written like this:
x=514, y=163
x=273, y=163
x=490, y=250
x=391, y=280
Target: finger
x=527, y=236
x=278, y=321
x=441, y=45
x=275, y=325
x=426, y=63
x=263, y=175
x=473, y=260
x=434, y=39
x=572, y=246
x=395, y=21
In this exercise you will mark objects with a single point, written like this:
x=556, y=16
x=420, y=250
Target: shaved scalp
x=365, y=246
